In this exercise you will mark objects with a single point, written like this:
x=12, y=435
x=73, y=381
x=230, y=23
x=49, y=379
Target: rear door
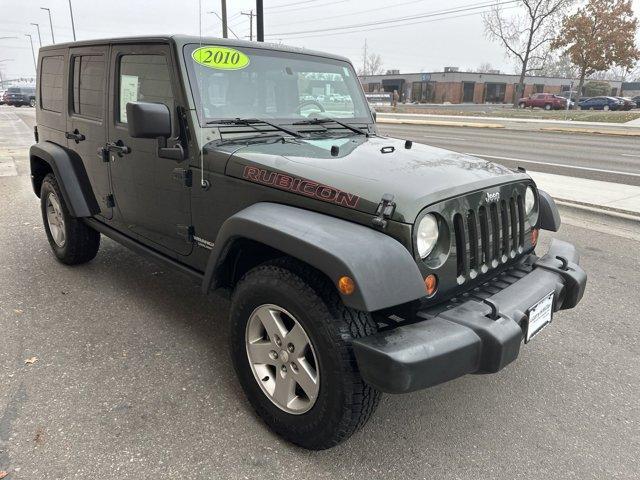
x=86, y=122
x=150, y=201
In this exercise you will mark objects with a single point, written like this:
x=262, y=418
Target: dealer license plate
x=539, y=316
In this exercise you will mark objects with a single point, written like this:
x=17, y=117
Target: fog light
x=430, y=284
x=534, y=235
x=346, y=285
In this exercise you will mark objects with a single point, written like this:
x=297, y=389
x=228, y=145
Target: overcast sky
x=430, y=45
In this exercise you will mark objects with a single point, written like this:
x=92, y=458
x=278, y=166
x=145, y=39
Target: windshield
x=255, y=83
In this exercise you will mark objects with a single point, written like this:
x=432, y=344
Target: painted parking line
x=629, y=155
x=550, y=164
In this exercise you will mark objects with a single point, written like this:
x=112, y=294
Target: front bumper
x=474, y=336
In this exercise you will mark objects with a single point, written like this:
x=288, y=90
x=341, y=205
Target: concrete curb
x=441, y=123
x=623, y=133
x=632, y=218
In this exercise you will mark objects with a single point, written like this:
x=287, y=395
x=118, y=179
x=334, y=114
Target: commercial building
x=453, y=86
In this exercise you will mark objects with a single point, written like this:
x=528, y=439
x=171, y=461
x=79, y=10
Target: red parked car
x=548, y=101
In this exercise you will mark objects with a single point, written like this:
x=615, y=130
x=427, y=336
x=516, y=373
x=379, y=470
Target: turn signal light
x=431, y=284
x=534, y=235
x=346, y=285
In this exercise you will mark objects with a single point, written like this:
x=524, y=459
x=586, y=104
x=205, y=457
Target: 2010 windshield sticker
x=220, y=58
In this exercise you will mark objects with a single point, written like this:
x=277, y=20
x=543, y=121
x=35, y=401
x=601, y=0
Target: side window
x=143, y=78
x=88, y=81
x=51, y=77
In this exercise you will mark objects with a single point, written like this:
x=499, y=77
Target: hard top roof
x=181, y=40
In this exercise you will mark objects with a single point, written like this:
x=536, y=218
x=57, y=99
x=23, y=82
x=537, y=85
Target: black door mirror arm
x=172, y=153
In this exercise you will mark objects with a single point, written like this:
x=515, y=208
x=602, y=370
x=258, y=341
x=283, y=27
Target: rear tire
x=32, y=102
x=522, y=105
x=73, y=242
x=343, y=402
x=547, y=107
x=606, y=108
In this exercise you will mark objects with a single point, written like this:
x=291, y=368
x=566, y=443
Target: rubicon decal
x=301, y=185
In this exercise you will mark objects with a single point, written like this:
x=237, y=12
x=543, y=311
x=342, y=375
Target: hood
x=363, y=169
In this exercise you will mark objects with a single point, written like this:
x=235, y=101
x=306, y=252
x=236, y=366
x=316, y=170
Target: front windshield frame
x=204, y=121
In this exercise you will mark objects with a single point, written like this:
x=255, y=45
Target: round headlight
x=427, y=235
x=529, y=201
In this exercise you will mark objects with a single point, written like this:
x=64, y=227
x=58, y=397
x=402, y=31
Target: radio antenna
x=203, y=183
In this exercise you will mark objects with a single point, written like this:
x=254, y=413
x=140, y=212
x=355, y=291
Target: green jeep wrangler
x=356, y=263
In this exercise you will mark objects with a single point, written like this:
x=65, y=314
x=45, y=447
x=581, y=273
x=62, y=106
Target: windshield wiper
x=320, y=121
x=250, y=122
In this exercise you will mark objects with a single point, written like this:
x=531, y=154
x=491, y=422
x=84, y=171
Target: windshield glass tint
x=265, y=84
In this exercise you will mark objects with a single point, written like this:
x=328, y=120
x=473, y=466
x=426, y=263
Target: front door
x=87, y=120
x=150, y=202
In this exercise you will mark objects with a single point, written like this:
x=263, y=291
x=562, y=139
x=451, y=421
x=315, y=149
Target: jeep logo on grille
x=492, y=197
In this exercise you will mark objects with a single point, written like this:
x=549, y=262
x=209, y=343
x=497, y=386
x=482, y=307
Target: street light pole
x=33, y=53
x=39, y=37
x=73, y=26
x=53, y=39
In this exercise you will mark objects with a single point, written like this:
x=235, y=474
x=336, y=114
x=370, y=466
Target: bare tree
x=485, y=67
x=526, y=33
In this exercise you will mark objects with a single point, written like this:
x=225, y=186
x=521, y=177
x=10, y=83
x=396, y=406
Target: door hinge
x=385, y=210
x=186, y=232
x=110, y=200
x=183, y=175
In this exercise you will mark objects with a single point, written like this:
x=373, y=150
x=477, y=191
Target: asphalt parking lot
x=130, y=378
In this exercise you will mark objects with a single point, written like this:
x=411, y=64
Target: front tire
x=72, y=241
x=300, y=344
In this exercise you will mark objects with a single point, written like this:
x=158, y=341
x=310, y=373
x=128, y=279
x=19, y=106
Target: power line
x=307, y=7
x=470, y=7
x=284, y=5
x=313, y=20
x=396, y=26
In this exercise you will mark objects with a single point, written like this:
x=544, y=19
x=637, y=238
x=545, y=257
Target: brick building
x=465, y=87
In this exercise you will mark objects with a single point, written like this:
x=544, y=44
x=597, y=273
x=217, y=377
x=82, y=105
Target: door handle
x=118, y=147
x=75, y=135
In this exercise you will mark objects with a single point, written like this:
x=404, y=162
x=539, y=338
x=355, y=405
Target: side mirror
x=153, y=120
x=148, y=120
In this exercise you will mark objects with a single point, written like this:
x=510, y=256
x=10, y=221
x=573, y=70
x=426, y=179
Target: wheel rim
x=55, y=219
x=282, y=359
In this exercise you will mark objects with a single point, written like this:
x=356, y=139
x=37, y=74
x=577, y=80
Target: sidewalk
x=610, y=197
x=567, y=126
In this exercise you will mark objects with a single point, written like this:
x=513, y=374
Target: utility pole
x=39, y=37
x=224, y=19
x=33, y=53
x=73, y=26
x=364, y=59
x=250, y=15
x=259, y=21
x=53, y=39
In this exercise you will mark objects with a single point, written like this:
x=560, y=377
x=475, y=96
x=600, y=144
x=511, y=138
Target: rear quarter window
x=51, y=78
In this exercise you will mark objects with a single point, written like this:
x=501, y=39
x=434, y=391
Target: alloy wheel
x=282, y=359
x=55, y=219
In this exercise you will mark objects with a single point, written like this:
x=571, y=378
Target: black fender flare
x=549, y=214
x=384, y=271
x=72, y=177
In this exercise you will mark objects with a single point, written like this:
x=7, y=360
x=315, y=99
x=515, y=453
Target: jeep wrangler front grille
x=488, y=236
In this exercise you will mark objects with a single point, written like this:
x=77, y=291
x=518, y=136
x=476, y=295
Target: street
x=130, y=375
